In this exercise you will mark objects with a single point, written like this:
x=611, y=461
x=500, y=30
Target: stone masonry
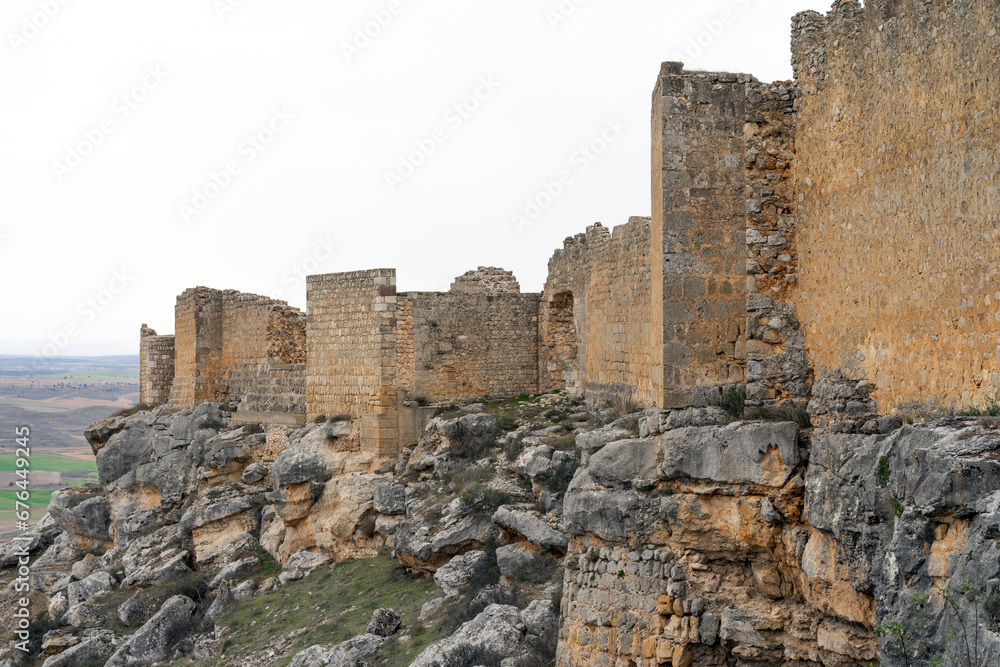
x=156, y=366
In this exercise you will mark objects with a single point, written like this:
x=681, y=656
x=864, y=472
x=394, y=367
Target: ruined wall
x=351, y=353
x=404, y=342
x=240, y=348
x=472, y=343
x=898, y=197
x=698, y=235
x=595, y=329
x=777, y=365
x=156, y=366
x=486, y=280
x=562, y=312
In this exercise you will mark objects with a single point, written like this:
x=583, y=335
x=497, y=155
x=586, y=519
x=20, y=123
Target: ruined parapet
x=562, y=347
x=778, y=368
x=351, y=354
x=156, y=366
x=245, y=349
x=479, y=340
x=897, y=198
x=698, y=235
x=486, y=280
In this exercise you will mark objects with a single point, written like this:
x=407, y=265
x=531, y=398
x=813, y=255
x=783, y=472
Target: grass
x=335, y=604
x=38, y=499
x=46, y=463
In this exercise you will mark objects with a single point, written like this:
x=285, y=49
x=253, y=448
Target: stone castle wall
x=239, y=348
x=899, y=198
x=156, y=367
x=351, y=353
x=698, y=235
x=468, y=344
x=777, y=365
x=595, y=329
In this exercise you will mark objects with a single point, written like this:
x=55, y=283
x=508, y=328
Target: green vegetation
x=46, y=463
x=335, y=604
x=734, y=403
x=882, y=473
x=991, y=410
x=38, y=501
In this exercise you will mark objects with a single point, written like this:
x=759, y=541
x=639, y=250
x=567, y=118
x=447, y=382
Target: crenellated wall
x=899, y=200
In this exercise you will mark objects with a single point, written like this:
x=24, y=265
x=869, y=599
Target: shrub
x=213, y=424
x=734, y=402
x=557, y=478
x=506, y=423
x=127, y=412
x=882, y=473
x=513, y=449
x=470, y=655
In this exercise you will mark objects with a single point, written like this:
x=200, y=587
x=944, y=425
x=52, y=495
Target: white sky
x=199, y=77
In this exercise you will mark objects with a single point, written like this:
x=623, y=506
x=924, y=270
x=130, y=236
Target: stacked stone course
x=156, y=366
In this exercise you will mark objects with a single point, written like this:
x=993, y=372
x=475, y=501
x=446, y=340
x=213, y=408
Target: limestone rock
x=234, y=572
x=301, y=565
x=223, y=602
x=384, y=622
x=135, y=609
x=153, y=641
x=85, y=567
x=592, y=441
x=515, y=559
x=540, y=616
x=497, y=629
x=460, y=570
x=356, y=652
x=84, y=615
x=390, y=499
x=89, y=588
x=94, y=649
x=531, y=527
x=255, y=473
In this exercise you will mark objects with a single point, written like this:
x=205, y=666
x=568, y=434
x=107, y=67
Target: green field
x=39, y=501
x=46, y=463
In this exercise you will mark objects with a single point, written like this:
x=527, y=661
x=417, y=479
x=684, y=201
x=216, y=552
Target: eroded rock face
x=749, y=543
x=153, y=641
x=499, y=629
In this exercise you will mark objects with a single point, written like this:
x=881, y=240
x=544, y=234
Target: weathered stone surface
x=515, y=559
x=460, y=570
x=384, y=622
x=236, y=571
x=390, y=499
x=89, y=588
x=498, y=628
x=153, y=641
x=301, y=565
x=85, y=514
x=631, y=462
x=742, y=452
x=591, y=441
x=135, y=609
x=540, y=616
x=356, y=652
x=223, y=602
x=91, y=650
x=531, y=527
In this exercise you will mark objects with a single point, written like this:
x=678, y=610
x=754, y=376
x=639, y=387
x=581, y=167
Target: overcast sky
x=147, y=147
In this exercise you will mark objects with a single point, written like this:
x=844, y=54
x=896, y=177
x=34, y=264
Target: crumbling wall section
x=156, y=366
x=778, y=369
x=619, y=307
x=351, y=353
x=474, y=344
x=698, y=235
x=562, y=313
x=899, y=198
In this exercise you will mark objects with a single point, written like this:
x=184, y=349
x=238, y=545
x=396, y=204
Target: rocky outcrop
x=153, y=641
x=748, y=542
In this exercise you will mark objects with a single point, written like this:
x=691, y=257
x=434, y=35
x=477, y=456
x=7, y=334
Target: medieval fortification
x=832, y=238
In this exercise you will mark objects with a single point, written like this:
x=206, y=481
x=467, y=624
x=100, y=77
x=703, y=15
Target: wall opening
x=563, y=364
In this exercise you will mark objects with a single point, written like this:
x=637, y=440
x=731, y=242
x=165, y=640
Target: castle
x=828, y=242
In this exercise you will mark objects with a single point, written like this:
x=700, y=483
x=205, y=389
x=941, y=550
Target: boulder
x=89, y=588
x=93, y=650
x=531, y=527
x=84, y=513
x=233, y=572
x=223, y=602
x=153, y=641
x=498, y=630
x=534, y=460
x=355, y=652
x=540, y=616
x=633, y=462
x=740, y=453
x=301, y=565
x=85, y=567
x=58, y=604
x=460, y=571
x=245, y=590
x=384, y=622
x=255, y=473
x=84, y=615
x=515, y=559
x=591, y=441
x=390, y=499
x=135, y=609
